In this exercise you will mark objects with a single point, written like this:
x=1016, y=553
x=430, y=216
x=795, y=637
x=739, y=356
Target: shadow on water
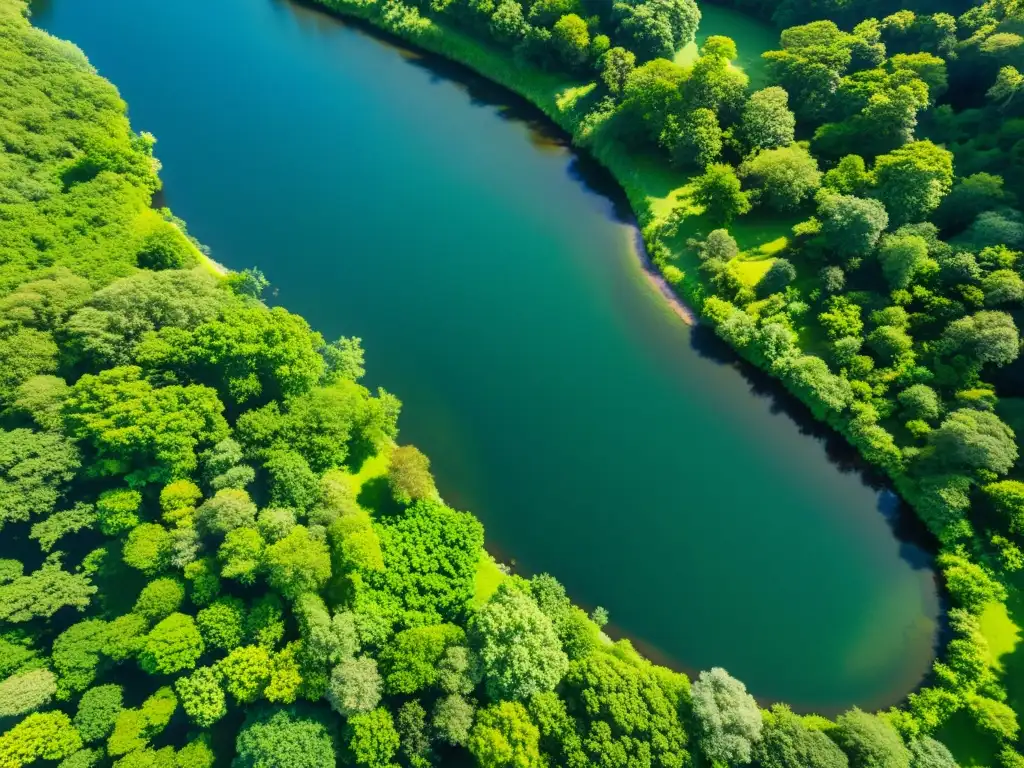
x=917, y=545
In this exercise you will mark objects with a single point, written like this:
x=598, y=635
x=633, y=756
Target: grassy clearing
x=488, y=577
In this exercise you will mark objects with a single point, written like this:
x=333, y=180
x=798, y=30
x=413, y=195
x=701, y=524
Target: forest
x=216, y=550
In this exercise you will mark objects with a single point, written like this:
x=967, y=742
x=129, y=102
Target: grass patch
x=488, y=577
x=373, y=467
x=1001, y=632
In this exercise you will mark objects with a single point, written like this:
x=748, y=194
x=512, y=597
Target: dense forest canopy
x=215, y=550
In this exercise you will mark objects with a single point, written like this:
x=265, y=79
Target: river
x=492, y=275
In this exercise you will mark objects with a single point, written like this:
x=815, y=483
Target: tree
x=414, y=734
x=890, y=344
x=719, y=245
x=43, y=592
x=1004, y=286
x=784, y=177
x=248, y=353
x=626, y=707
x=767, y=122
x=1009, y=83
x=851, y=226
x=504, y=735
x=985, y=337
x=902, y=256
x=42, y=398
x=697, y=140
x=971, y=196
x=869, y=741
x=920, y=401
x=145, y=433
x=411, y=660
x=229, y=508
x=430, y=558
x=292, y=482
x=292, y=737
x=572, y=40
x=372, y=740
x=518, y=647
x=409, y=475
x=148, y=548
x=26, y=353
x=645, y=31
x=727, y=717
x=34, y=466
x=356, y=686
x=453, y=719
x=786, y=742
x=26, y=691
x=780, y=274
x=241, y=555
x=616, y=66
x=222, y=623
x=1007, y=497
x=201, y=697
x=298, y=563
x=159, y=598
x=912, y=180
x=245, y=672
x=718, y=190
x=172, y=645
x=41, y=735
x=165, y=248
x=116, y=317
x=970, y=440
x=651, y=95
x=98, y=710
x=926, y=752
x=507, y=22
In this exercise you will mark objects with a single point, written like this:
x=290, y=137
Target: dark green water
x=498, y=294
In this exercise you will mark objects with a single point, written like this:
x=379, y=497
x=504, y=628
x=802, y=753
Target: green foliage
x=202, y=697
x=430, y=557
x=33, y=468
x=245, y=672
x=518, y=647
x=173, y=645
x=135, y=727
x=504, y=735
x=26, y=691
x=98, y=710
x=718, y=191
x=786, y=742
x=624, y=707
x=241, y=554
x=727, y=717
x=372, y=740
x=869, y=741
x=355, y=686
x=41, y=735
x=160, y=598
x=42, y=593
x=292, y=737
x=411, y=659
x=298, y=563
x=912, y=180
x=148, y=548
x=784, y=177
x=409, y=475
x=222, y=623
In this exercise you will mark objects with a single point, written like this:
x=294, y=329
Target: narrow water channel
x=491, y=274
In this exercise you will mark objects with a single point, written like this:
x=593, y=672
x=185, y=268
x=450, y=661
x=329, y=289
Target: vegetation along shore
x=216, y=550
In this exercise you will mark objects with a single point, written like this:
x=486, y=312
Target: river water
x=492, y=275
